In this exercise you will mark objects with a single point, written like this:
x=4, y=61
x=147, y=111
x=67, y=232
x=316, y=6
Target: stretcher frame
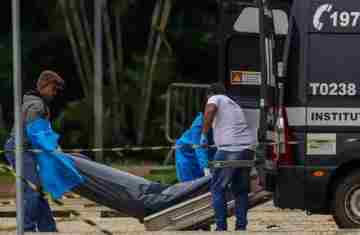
x=196, y=212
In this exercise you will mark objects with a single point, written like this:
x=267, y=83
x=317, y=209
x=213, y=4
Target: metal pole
x=98, y=75
x=264, y=74
x=18, y=117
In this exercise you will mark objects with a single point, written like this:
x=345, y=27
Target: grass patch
x=163, y=170
x=161, y=174
x=6, y=178
x=163, y=178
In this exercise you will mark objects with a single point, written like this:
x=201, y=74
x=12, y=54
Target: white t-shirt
x=230, y=125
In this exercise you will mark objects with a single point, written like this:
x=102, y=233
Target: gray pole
x=17, y=112
x=98, y=75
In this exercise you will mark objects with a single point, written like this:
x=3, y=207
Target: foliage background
x=46, y=44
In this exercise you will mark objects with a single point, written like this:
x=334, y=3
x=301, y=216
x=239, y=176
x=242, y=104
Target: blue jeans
x=37, y=213
x=239, y=181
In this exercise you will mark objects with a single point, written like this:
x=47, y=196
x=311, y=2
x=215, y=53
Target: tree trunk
x=86, y=25
x=115, y=112
x=79, y=35
x=151, y=41
x=85, y=54
x=148, y=54
x=120, y=60
x=119, y=43
x=71, y=37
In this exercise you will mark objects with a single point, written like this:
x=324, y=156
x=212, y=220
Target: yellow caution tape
x=149, y=148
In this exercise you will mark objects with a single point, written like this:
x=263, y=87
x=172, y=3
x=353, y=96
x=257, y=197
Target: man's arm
x=209, y=115
x=33, y=110
x=210, y=112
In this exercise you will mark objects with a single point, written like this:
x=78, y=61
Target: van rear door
x=240, y=54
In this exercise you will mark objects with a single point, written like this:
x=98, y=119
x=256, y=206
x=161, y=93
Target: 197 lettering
x=345, y=18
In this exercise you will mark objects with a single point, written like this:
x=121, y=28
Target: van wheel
x=346, y=203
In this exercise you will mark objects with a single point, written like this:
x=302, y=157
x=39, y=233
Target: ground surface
x=264, y=219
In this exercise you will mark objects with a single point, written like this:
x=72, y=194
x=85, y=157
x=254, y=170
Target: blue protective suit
x=190, y=162
x=37, y=213
x=56, y=171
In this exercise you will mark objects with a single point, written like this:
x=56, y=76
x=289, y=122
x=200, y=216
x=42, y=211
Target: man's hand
x=207, y=172
x=204, y=141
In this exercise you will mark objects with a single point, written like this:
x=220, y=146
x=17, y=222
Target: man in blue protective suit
x=38, y=216
x=191, y=159
x=235, y=141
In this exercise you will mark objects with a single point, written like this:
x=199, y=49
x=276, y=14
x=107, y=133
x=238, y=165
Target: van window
x=248, y=21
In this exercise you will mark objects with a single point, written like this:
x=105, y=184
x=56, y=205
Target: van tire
x=346, y=210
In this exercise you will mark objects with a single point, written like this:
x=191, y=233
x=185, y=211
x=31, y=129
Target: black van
x=313, y=161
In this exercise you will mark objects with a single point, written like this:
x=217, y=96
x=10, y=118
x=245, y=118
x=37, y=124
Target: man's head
x=49, y=84
x=216, y=89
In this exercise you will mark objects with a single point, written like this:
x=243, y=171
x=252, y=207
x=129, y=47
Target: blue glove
x=204, y=139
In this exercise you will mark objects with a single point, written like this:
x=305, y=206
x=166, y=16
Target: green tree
x=125, y=89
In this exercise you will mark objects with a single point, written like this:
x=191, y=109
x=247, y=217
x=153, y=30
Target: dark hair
x=216, y=89
x=47, y=77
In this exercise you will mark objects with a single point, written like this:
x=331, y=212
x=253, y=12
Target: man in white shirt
x=235, y=141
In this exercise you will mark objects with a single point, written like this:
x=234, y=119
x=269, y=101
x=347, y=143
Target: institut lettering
x=335, y=116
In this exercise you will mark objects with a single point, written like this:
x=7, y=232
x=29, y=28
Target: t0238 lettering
x=333, y=89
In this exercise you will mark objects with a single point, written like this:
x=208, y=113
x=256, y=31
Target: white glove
x=207, y=172
x=254, y=172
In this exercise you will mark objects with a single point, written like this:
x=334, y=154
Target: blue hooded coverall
x=190, y=162
x=38, y=216
x=57, y=172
